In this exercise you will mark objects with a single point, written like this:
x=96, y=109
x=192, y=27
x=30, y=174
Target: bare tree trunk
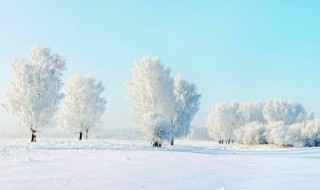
x=80, y=138
x=87, y=131
x=33, y=138
x=33, y=135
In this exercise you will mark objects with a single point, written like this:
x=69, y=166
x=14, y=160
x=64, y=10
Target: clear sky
x=232, y=50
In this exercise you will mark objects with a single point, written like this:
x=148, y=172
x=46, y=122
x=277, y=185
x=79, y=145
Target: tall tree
x=152, y=98
x=188, y=103
x=83, y=105
x=36, y=89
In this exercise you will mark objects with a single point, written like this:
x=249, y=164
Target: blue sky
x=232, y=50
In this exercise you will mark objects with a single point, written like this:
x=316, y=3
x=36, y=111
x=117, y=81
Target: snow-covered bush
x=300, y=134
x=82, y=106
x=310, y=133
x=159, y=127
x=277, y=133
x=294, y=134
x=280, y=122
x=251, y=134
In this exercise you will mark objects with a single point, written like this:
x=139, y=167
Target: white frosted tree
x=188, y=103
x=286, y=111
x=83, y=105
x=222, y=121
x=36, y=89
x=151, y=94
x=251, y=111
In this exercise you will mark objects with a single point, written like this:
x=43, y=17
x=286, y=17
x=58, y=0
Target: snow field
x=124, y=164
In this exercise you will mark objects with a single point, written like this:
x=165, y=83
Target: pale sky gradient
x=232, y=50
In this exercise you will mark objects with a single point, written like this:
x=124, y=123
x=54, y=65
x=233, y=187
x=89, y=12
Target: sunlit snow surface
x=120, y=164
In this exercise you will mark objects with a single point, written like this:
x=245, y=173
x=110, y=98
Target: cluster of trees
x=280, y=122
x=163, y=106
x=36, y=94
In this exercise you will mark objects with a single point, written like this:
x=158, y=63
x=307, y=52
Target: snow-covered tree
x=188, y=103
x=83, y=105
x=151, y=93
x=286, y=111
x=222, y=121
x=251, y=111
x=36, y=89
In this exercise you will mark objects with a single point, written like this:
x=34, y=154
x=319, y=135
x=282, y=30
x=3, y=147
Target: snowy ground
x=112, y=164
